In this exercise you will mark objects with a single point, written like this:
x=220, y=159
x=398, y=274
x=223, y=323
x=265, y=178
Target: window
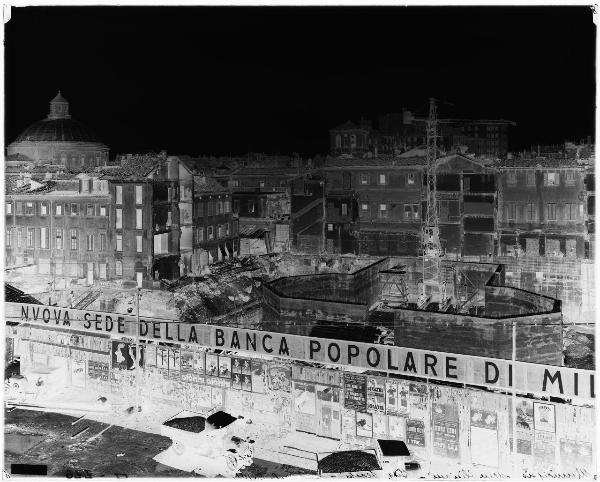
x=118, y=268
x=199, y=208
x=234, y=183
x=219, y=207
x=251, y=205
x=138, y=243
x=102, y=210
x=364, y=208
x=411, y=211
x=102, y=269
x=59, y=209
x=210, y=232
x=383, y=211
x=102, y=241
x=551, y=209
x=226, y=229
x=138, y=219
x=18, y=207
x=344, y=209
x=90, y=210
x=119, y=219
x=210, y=207
x=44, y=238
x=138, y=194
x=74, y=209
x=330, y=227
x=200, y=235
x=261, y=184
x=59, y=238
x=29, y=209
x=511, y=211
x=364, y=179
x=119, y=194
x=90, y=242
x=236, y=205
x=511, y=178
x=227, y=207
x=30, y=237
x=219, y=231
x=74, y=244
x=531, y=212
x=382, y=178
x=572, y=212
x=338, y=141
x=8, y=208
x=410, y=178
x=530, y=178
x=552, y=179
x=119, y=242
x=43, y=209
x=19, y=237
x=8, y=237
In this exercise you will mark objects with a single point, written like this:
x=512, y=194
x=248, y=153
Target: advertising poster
x=418, y=396
x=280, y=376
x=78, y=373
x=403, y=393
x=192, y=377
x=391, y=398
x=247, y=383
x=445, y=430
x=380, y=429
x=574, y=454
x=305, y=407
x=397, y=427
x=484, y=438
x=355, y=392
x=98, y=370
x=544, y=417
x=9, y=349
x=364, y=424
x=216, y=398
x=376, y=394
x=224, y=366
x=544, y=450
x=415, y=432
x=348, y=424
x=174, y=363
x=212, y=364
x=123, y=356
x=524, y=414
x=236, y=380
x=259, y=372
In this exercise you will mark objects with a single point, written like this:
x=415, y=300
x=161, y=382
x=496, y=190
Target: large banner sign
x=488, y=372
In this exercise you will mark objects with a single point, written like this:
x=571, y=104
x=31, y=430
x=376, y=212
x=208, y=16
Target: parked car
x=394, y=456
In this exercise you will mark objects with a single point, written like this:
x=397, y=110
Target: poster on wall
x=247, y=383
x=380, y=428
x=574, y=454
x=236, y=380
x=415, y=432
x=391, y=397
x=78, y=373
x=280, y=376
x=355, y=392
x=484, y=438
x=445, y=430
x=216, y=398
x=123, y=356
x=259, y=372
x=524, y=415
x=305, y=406
x=224, y=366
x=364, y=424
x=98, y=370
x=348, y=425
x=376, y=394
x=418, y=396
x=543, y=415
x=397, y=427
x=544, y=450
x=212, y=364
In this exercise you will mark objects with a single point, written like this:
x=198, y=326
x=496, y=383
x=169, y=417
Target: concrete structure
x=59, y=139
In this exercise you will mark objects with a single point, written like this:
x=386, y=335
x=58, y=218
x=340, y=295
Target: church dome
x=58, y=127
x=58, y=130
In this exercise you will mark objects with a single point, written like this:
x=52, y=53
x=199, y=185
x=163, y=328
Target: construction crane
x=433, y=286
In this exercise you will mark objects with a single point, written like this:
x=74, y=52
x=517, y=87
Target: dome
x=58, y=130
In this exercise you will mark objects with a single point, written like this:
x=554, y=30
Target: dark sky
x=205, y=80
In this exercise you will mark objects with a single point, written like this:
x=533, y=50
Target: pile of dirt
x=189, y=424
x=348, y=461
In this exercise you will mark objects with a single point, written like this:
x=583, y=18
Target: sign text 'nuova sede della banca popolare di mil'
x=488, y=372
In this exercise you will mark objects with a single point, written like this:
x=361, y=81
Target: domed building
x=59, y=139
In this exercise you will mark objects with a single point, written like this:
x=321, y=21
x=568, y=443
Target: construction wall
x=480, y=336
